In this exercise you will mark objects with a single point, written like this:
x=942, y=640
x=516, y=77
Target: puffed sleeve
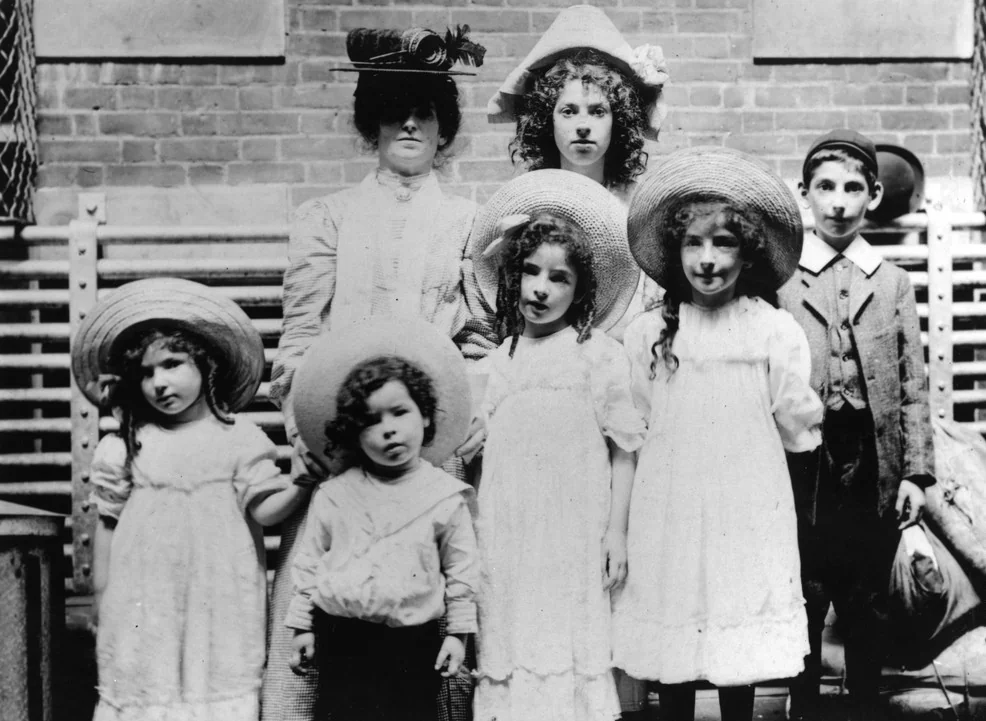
x=111, y=481
x=314, y=544
x=309, y=286
x=616, y=413
x=496, y=383
x=797, y=409
x=257, y=475
x=638, y=339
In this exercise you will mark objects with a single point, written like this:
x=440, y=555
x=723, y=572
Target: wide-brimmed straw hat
x=415, y=50
x=169, y=303
x=332, y=356
x=584, y=203
x=715, y=174
x=585, y=27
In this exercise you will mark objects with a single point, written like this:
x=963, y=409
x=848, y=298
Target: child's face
x=392, y=442
x=711, y=259
x=172, y=383
x=409, y=147
x=583, y=125
x=839, y=197
x=547, y=289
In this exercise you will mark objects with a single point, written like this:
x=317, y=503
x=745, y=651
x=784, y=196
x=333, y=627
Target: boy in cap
x=866, y=482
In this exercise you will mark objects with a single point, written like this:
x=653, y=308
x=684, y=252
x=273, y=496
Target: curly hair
x=128, y=396
x=534, y=142
x=838, y=155
x=384, y=98
x=748, y=230
x=545, y=228
x=352, y=413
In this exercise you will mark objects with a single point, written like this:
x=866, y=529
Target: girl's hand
x=453, y=651
x=614, y=559
x=910, y=504
x=474, y=443
x=302, y=652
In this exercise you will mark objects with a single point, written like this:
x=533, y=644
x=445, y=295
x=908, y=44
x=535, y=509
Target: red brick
x=49, y=97
x=90, y=176
x=757, y=121
x=189, y=150
x=904, y=72
x=309, y=44
x=139, y=151
x=952, y=142
x=705, y=96
x=480, y=21
x=119, y=74
x=320, y=20
x=960, y=71
x=488, y=145
x=157, y=175
x=705, y=140
x=56, y=176
x=130, y=97
x=200, y=124
x=197, y=98
x=142, y=124
x=240, y=74
x=937, y=165
x=80, y=151
x=865, y=121
x=354, y=170
x=765, y=144
x=815, y=120
x=324, y=173
x=436, y=19
x=320, y=123
x=914, y=119
x=256, y=98
x=200, y=174
x=868, y=94
x=741, y=47
x=692, y=121
x=712, y=47
x=485, y=170
x=54, y=123
x=961, y=166
x=920, y=143
x=295, y=22
x=812, y=73
x=790, y=169
x=85, y=124
x=710, y=21
x=248, y=173
x=724, y=71
x=300, y=193
x=199, y=74
x=736, y=96
x=656, y=22
x=160, y=74
x=920, y=95
x=327, y=148
x=326, y=95
x=676, y=96
x=712, y=4
x=258, y=149
x=792, y=96
x=90, y=98
x=961, y=119
x=954, y=94
x=350, y=19
x=258, y=123
x=323, y=71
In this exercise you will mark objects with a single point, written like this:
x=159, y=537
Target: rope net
x=979, y=105
x=18, y=103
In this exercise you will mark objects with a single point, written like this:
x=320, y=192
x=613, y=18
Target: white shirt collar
x=816, y=254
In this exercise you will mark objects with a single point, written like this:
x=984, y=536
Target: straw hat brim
x=723, y=174
x=581, y=201
x=333, y=355
x=174, y=303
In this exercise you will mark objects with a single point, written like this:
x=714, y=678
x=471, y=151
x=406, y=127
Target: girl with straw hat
x=559, y=459
x=181, y=492
x=394, y=245
x=584, y=100
x=389, y=548
x=714, y=591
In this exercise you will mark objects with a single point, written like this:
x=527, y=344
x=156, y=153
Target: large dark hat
x=416, y=50
x=902, y=177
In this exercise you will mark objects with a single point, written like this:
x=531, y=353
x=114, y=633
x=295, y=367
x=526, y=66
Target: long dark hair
x=352, y=415
x=128, y=396
x=752, y=241
x=522, y=243
x=534, y=142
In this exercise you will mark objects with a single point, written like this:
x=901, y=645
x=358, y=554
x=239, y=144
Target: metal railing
x=49, y=430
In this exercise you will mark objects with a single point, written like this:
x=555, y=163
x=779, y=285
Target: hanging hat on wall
x=416, y=50
x=585, y=27
x=902, y=177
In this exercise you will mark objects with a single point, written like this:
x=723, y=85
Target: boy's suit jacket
x=888, y=339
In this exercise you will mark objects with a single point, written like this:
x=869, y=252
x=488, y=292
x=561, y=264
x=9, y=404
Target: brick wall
x=198, y=128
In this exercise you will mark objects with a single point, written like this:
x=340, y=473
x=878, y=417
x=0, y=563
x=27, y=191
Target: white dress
x=544, y=618
x=713, y=590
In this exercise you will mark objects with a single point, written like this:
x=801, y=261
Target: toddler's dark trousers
x=847, y=551
x=373, y=672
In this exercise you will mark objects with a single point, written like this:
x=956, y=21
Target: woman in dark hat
x=394, y=245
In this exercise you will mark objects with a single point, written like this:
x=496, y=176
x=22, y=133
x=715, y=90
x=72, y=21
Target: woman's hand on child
x=910, y=504
x=474, y=443
x=452, y=653
x=614, y=559
x=302, y=652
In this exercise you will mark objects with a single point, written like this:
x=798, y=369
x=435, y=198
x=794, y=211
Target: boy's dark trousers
x=847, y=551
x=372, y=672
